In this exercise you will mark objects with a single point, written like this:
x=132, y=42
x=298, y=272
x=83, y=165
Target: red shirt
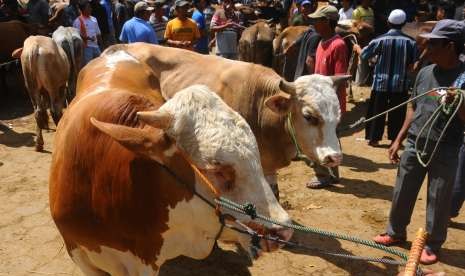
x=332, y=59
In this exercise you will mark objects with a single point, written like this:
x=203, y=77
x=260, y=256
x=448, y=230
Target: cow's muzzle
x=282, y=233
x=332, y=160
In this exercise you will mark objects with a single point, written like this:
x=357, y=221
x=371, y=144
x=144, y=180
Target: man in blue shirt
x=199, y=18
x=137, y=29
x=396, y=53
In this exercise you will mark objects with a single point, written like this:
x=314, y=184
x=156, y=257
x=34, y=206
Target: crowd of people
x=397, y=75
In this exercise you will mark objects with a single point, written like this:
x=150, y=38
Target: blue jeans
x=458, y=194
x=90, y=53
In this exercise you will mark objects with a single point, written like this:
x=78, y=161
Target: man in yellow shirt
x=364, y=13
x=182, y=32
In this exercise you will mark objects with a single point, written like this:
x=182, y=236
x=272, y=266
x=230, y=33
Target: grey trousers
x=410, y=176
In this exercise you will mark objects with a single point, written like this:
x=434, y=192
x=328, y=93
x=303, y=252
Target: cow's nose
x=333, y=160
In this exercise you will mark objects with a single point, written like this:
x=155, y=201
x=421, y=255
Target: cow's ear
x=145, y=141
x=17, y=53
x=223, y=174
x=280, y=103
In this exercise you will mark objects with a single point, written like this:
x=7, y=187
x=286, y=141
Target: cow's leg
x=272, y=179
x=81, y=259
x=57, y=102
x=41, y=117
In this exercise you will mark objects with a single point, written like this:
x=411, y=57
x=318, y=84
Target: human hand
x=392, y=152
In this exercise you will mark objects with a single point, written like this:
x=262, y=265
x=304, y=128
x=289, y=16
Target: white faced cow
x=121, y=191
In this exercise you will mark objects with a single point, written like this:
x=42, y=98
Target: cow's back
x=45, y=65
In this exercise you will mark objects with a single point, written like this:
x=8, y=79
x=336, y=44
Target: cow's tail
x=68, y=47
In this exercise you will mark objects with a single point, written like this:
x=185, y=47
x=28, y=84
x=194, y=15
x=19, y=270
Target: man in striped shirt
x=395, y=53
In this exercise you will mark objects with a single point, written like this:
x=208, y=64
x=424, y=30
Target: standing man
x=158, y=20
x=71, y=12
x=137, y=29
x=364, y=13
x=331, y=59
x=108, y=38
x=121, y=14
x=90, y=32
x=182, y=32
x=445, y=44
x=198, y=16
x=345, y=13
x=396, y=54
x=225, y=24
x=38, y=12
x=301, y=17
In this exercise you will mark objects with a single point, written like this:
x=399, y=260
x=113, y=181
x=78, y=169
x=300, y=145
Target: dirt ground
x=31, y=245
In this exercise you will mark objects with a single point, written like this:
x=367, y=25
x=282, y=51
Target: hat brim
x=431, y=35
x=316, y=15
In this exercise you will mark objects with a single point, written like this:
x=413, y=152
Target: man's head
x=325, y=20
x=200, y=4
x=366, y=3
x=142, y=10
x=397, y=19
x=346, y=4
x=158, y=5
x=445, y=41
x=306, y=7
x=85, y=8
x=182, y=8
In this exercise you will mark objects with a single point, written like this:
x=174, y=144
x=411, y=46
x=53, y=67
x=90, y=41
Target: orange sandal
x=387, y=240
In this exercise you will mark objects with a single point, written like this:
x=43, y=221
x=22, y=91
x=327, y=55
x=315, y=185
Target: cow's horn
x=269, y=21
x=340, y=79
x=287, y=87
x=155, y=118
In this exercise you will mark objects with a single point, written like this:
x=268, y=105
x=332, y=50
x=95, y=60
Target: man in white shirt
x=346, y=11
x=90, y=32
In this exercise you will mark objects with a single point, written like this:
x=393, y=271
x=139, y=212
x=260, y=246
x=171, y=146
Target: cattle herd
x=151, y=112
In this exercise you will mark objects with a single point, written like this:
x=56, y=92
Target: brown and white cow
x=69, y=39
x=260, y=96
x=120, y=188
x=45, y=69
x=256, y=44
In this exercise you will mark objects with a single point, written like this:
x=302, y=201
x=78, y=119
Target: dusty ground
x=30, y=244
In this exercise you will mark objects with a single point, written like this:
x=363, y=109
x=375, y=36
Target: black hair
x=397, y=26
x=83, y=4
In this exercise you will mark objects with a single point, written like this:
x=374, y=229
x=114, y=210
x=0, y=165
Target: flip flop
x=319, y=183
x=387, y=240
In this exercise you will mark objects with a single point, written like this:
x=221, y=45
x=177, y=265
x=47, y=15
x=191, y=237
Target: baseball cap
x=328, y=12
x=306, y=2
x=181, y=3
x=448, y=29
x=397, y=17
x=142, y=6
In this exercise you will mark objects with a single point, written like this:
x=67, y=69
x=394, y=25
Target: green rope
x=228, y=204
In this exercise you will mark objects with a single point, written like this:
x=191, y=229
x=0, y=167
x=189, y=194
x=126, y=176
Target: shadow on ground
x=11, y=138
x=364, y=164
x=220, y=262
x=333, y=245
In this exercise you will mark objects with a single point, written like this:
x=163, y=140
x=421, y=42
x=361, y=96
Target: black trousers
x=382, y=101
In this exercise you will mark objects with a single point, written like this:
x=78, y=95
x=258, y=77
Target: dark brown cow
x=256, y=44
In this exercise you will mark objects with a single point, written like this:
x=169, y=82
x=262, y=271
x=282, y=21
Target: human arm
x=218, y=25
x=396, y=144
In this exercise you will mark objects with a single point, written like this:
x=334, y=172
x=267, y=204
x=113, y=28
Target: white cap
x=397, y=17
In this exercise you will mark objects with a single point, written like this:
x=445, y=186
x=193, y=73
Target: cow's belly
x=110, y=261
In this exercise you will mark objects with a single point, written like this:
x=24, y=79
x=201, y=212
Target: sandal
x=387, y=240
x=428, y=257
x=319, y=183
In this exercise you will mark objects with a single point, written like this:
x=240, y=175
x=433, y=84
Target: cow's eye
x=311, y=119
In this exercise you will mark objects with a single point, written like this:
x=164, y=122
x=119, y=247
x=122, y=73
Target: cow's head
x=220, y=143
x=314, y=105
